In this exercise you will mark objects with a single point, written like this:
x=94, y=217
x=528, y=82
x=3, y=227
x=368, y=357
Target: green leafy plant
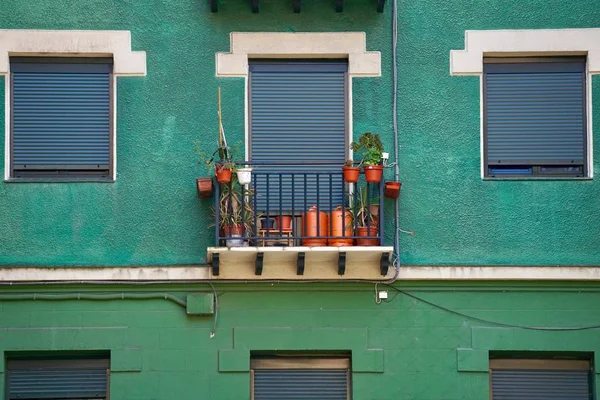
x=369, y=148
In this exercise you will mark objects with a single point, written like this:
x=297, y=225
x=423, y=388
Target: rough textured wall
x=160, y=353
x=151, y=214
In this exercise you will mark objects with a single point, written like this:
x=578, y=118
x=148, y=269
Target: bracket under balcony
x=299, y=262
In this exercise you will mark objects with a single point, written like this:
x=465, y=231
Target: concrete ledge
x=351, y=45
x=525, y=42
x=25, y=42
x=200, y=273
x=321, y=263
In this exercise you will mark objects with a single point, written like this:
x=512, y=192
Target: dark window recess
x=518, y=379
x=301, y=378
x=53, y=379
x=298, y=113
x=61, y=117
x=535, y=117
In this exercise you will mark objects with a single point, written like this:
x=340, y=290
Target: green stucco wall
x=151, y=215
x=401, y=349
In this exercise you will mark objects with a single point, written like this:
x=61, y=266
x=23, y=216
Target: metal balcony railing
x=291, y=204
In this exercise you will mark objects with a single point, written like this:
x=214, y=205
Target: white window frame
x=530, y=42
x=68, y=43
x=349, y=45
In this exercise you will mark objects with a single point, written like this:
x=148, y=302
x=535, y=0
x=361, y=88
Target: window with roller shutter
x=57, y=378
x=298, y=116
x=318, y=378
x=523, y=379
x=61, y=118
x=535, y=117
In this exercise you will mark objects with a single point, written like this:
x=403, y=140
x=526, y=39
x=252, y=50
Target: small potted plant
x=365, y=219
x=236, y=217
x=351, y=172
x=370, y=148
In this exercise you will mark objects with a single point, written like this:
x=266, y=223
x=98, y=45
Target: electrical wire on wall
x=396, y=253
x=477, y=319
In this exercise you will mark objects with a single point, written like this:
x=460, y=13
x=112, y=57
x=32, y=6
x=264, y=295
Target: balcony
x=298, y=221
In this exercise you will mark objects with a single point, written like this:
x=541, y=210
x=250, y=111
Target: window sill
x=61, y=180
x=537, y=178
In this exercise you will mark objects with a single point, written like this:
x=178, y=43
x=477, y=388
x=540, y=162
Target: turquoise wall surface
x=151, y=214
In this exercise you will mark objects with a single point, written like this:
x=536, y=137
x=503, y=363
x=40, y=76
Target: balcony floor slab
x=280, y=263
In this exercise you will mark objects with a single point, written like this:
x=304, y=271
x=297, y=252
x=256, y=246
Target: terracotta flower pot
x=373, y=173
x=284, y=223
x=204, y=187
x=392, y=189
x=351, y=174
x=367, y=231
x=232, y=229
x=223, y=174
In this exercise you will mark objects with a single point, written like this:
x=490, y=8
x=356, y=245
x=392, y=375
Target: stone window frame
x=529, y=42
x=297, y=45
x=68, y=43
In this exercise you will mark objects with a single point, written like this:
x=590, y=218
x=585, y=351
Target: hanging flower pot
x=392, y=189
x=244, y=175
x=351, y=173
x=222, y=173
x=204, y=187
x=373, y=173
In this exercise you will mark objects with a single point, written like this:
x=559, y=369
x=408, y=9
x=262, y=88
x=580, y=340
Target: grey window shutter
x=60, y=118
x=57, y=379
x=298, y=115
x=532, y=384
x=306, y=384
x=535, y=113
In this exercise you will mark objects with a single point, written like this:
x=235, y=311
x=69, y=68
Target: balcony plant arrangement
x=236, y=215
x=370, y=149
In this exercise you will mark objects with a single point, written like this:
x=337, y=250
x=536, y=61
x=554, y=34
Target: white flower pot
x=244, y=175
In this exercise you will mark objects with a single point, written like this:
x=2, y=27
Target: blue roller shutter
x=57, y=379
x=540, y=385
x=535, y=117
x=298, y=114
x=306, y=384
x=61, y=117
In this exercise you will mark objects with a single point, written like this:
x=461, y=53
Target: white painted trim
x=351, y=45
x=529, y=42
x=73, y=43
x=68, y=43
x=407, y=273
x=525, y=42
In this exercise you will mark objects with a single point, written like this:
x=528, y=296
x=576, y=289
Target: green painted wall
x=151, y=214
x=159, y=353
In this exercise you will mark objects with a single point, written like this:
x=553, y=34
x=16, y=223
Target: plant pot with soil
x=370, y=149
x=351, y=173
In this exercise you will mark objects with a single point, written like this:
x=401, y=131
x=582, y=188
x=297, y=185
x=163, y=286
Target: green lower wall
x=401, y=348
x=151, y=215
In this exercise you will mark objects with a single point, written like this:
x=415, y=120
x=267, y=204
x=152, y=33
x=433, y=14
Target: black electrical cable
x=94, y=296
x=486, y=321
x=216, y=304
